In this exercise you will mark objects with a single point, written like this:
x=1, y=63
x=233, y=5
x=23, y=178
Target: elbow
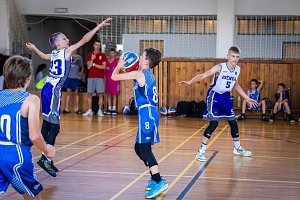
x=113, y=78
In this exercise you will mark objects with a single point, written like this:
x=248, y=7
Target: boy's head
x=97, y=45
x=112, y=52
x=233, y=55
x=58, y=41
x=17, y=72
x=281, y=87
x=254, y=83
x=150, y=58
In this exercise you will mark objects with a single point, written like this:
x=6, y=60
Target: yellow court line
x=162, y=159
x=90, y=148
x=189, y=166
x=88, y=137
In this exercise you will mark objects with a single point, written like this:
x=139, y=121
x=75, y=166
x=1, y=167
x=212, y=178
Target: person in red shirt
x=96, y=64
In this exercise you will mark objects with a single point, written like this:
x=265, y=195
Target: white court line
x=175, y=175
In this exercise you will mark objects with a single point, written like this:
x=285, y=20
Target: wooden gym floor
x=97, y=161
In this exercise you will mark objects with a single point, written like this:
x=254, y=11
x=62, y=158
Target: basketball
x=132, y=61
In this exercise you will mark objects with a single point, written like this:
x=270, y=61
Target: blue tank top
x=148, y=93
x=254, y=95
x=13, y=127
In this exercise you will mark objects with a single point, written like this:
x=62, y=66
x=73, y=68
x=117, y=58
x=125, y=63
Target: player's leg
x=109, y=108
x=243, y=114
x=67, y=109
x=237, y=149
x=76, y=92
x=288, y=112
x=91, y=87
x=262, y=105
x=115, y=92
x=275, y=109
x=100, y=92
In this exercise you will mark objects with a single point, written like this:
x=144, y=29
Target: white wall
x=4, y=33
x=120, y=7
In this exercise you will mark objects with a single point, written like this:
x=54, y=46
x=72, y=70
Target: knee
x=148, y=156
x=234, y=128
x=210, y=129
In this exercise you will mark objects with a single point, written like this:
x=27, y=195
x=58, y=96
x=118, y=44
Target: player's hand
x=253, y=103
x=51, y=151
x=30, y=46
x=121, y=62
x=181, y=83
x=93, y=57
x=105, y=22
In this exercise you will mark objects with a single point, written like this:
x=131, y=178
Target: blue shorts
x=148, y=125
x=218, y=107
x=17, y=169
x=72, y=83
x=51, y=103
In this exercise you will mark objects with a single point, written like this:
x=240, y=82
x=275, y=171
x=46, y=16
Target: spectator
x=112, y=88
x=73, y=82
x=96, y=64
x=282, y=102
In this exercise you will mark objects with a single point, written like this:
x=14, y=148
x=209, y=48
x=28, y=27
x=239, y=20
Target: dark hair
x=16, y=70
x=234, y=49
x=52, y=39
x=153, y=56
x=255, y=80
x=282, y=85
x=40, y=68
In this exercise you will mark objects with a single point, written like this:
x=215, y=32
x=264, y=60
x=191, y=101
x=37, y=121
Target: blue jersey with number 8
x=148, y=93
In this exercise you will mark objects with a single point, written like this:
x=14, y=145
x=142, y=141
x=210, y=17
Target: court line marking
x=85, y=138
x=175, y=175
x=90, y=148
x=196, y=177
x=189, y=166
x=161, y=160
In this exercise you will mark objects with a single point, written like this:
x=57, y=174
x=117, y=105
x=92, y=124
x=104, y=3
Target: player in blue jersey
x=19, y=122
x=254, y=93
x=218, y=103
x=146, y=100
x=60, y=66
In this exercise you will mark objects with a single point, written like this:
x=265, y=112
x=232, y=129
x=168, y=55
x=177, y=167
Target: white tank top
x=225, y=80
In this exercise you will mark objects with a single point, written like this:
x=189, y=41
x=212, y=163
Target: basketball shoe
x=151, y=184
x=200, y=156
x=241, y=151
x=45, y=164
x=89, y=112
x=158, y=188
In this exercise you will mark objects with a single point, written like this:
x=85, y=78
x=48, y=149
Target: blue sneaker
x=157, y=189
x=151, y=184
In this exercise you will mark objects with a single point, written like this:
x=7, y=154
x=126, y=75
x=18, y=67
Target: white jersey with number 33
x=225, y=80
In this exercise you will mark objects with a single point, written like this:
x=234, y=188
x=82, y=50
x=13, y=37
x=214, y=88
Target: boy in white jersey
x=146, y=100
x=19, y=114
x=219, y=105
x=60, y=59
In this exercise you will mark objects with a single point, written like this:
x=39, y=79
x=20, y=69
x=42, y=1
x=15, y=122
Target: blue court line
x=196, y=177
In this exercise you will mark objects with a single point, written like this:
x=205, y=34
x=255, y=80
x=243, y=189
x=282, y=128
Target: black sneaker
x=291, y=120
x=54, y=168
x=45, y=164
x=265, y=118
x=241, y=117
x=113, y=112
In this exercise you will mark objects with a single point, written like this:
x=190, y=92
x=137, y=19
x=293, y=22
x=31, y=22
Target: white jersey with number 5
x=225, y=80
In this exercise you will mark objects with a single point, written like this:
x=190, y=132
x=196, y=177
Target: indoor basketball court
x=95, y=154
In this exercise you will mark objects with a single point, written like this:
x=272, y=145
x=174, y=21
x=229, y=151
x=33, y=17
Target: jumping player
x=19, y=114
x=146, y=100
x=60, y=59
x=219, y=105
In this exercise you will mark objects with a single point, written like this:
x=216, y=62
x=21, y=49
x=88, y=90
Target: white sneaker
x=200, y=156
x=242, y=151
x=89, y=112
x=100, y=114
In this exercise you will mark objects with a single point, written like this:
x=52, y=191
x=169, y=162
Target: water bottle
x=239, y=102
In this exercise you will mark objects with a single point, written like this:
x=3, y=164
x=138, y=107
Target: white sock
x=237, y=144
x=109, y=107
x=203, y=146
x=113, y=108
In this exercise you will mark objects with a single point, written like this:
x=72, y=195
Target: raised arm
x=86, y=37
x=199, y=77
x=261, y=83
x=32, y=47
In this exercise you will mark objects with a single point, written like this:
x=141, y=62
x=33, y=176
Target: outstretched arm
x=32, y=47
x=238, y=88
x=199, y=77
x=86, y=37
